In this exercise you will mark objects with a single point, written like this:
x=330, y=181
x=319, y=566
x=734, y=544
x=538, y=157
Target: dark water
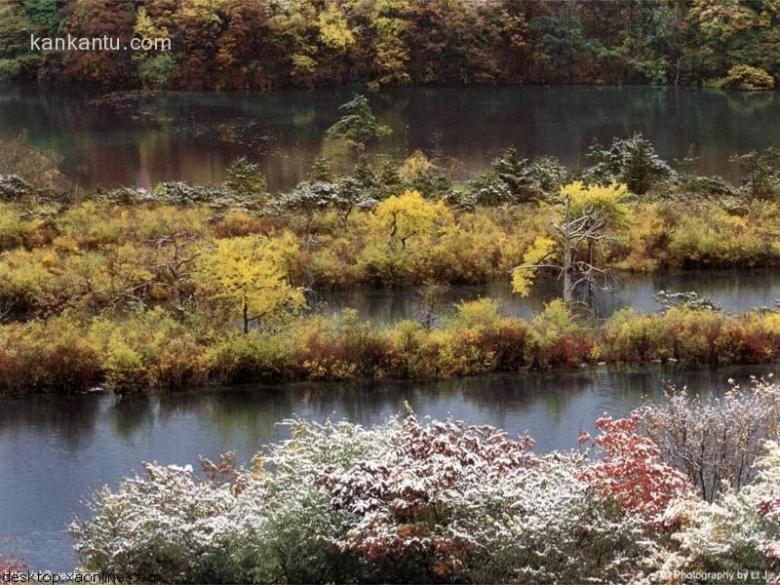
x=194, y=136
x=57, y=450
x=735, y=291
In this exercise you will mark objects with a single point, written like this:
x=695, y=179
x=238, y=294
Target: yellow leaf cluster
x=523, y=276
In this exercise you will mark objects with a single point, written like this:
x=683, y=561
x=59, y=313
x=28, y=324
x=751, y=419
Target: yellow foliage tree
x=417, y=164
x=403, y=230
x=334, y=29
x=523, y=278
x=248, y=276
x=585, y=216
x=407, y=216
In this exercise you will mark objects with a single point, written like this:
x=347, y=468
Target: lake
x=57, y=450
x=194, y=136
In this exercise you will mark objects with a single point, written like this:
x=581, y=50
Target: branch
x=536, y=266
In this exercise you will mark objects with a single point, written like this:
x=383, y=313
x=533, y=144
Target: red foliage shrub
x=508, y=344
x=570, y=350
x=631, y=469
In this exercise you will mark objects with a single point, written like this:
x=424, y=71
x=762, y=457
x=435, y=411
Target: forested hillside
x=263, y=44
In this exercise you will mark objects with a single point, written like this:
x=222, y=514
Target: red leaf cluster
x=9, y=565
x=631, y=469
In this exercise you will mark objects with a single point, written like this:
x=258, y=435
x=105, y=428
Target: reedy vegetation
x=186, y=284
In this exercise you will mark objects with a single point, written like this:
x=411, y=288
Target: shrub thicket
x=412, y=501
x=152, y=349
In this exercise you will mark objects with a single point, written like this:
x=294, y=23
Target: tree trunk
x=568, y=295
x=567, y=283
x=590, y=284
x=245, y=313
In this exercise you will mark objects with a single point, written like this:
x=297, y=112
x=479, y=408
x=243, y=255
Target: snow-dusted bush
x=631, y=160
x=447, y=502
x=716, y=439
x=270, y=523
x=456, y=503
x=739, y=531
x=9, y=566
x=165, y=526
x=403, y=502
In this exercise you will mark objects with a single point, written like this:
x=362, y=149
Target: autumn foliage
x=435, y=501
x=261, y=44
x=407, y=501
x=630, y=469
x=135, y=289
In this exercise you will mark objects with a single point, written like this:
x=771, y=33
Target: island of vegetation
x=134, y=290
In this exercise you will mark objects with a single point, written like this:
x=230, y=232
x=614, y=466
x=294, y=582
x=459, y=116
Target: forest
x=267, y=44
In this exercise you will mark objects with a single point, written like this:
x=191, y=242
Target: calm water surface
x=57, y=450
x=193, y=136
x=735, y=291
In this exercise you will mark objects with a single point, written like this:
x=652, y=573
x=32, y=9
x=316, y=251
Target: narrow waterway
x=735, y=291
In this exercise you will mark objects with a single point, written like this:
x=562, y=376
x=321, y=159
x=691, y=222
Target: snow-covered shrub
x=9, y=566
x=270, y=523
x=403, y=502
x=457, y=503
x=166, y=526
x=739, y=531
x=716, y=439
x=182, y=193
x=548, y=526
x=13, y=188
x=512, y=179
x=632, y=161
x=294, y=545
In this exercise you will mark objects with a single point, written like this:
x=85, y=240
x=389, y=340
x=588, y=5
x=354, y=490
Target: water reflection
x=59, y=449
x=70, y=424
x=735, y=290
x=127, y=417
x=193, y=136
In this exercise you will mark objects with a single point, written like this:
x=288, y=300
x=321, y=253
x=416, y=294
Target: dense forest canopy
x=263, y=44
